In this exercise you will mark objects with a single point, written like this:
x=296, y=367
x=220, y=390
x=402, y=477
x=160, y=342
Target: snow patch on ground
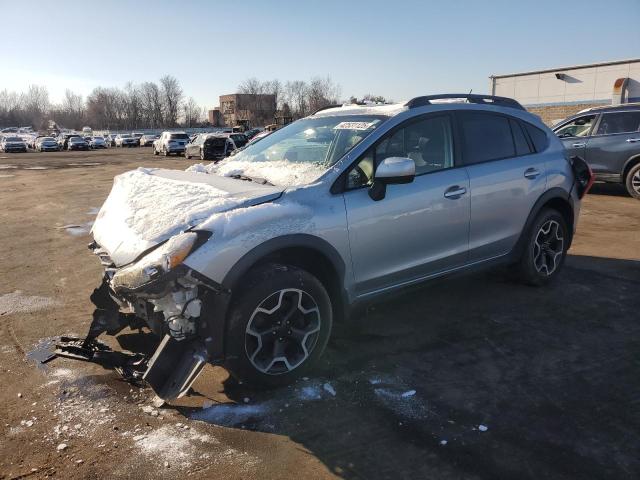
x=406, y=406
x=17, y=302
x=6, y=176
x=177, y=447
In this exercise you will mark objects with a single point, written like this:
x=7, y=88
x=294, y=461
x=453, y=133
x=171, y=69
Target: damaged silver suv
x=247, y=263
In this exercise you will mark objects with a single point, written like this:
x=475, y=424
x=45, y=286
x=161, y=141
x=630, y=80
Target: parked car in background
x=31, y=141
x=110, y=140
x=137, y=136
x=77, y=143
x=170, y=142
x=97, y=142
x=208, y=146
x=260, y=135
x=126, y=140
x=12, y=144
x=239, y=139
x=63, y=140
x=608, y=138
x=46, y=144
x=252, y=132
x=147, y=140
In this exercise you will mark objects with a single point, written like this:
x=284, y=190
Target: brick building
x=247, y=109
x=556, y=93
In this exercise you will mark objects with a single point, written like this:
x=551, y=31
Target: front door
x=576, y=133
x=418, y=229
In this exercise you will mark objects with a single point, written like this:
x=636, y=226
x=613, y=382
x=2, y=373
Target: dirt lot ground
x=472, y=377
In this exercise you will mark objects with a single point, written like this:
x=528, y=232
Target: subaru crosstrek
x=248, y=262
x=608, y=138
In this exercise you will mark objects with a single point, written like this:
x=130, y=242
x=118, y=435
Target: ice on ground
x=409, y=393
x=230, y=414
x=278, y=172
x=408, y=406
x=483, y=428
x=311, y=392
x=17, y=302
x=329, y=388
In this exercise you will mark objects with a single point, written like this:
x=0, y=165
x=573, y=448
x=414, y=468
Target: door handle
x=531, y=173
x=632, y=140
x=579, y=145
x=454, y=192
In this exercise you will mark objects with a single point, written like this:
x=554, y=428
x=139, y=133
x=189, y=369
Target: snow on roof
x=370, y=109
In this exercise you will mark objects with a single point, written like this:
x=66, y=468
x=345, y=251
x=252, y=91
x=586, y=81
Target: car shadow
x=611, y=189
x=471, y=377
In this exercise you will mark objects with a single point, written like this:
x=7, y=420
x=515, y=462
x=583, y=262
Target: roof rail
x=469, y=97
x=335, y=105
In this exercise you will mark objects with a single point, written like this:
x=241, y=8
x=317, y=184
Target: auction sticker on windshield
x=354, y=125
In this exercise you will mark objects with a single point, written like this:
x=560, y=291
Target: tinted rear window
x=486, y=137
x=216, y=142
x=538, y=137
x=179, y=136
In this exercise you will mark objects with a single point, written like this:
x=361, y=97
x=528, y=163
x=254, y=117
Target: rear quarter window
x=538, y=137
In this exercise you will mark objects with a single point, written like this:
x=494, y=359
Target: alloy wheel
x=282, y=331
x=548, y=247
x=635, y=181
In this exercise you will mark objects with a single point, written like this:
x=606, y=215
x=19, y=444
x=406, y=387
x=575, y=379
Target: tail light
x=583, y=175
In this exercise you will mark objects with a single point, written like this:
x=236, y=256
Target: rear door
x=575, y=134
x=419, y=228
x=506, y=177
x=616, y=139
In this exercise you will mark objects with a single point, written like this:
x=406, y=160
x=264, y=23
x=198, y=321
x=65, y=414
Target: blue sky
x=394, y=48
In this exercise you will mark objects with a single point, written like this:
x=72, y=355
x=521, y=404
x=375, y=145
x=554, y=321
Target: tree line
x=146, y=105
x=157, y=105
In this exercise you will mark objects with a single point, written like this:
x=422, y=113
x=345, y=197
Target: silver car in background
x=46, y=144
x=247, y=263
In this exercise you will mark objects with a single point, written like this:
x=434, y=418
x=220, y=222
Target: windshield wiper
x=261, y=181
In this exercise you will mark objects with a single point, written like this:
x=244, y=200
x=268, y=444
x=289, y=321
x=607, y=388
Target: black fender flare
x=555, y=192
x=217, y=306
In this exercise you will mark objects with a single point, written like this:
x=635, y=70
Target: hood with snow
x=148, y=206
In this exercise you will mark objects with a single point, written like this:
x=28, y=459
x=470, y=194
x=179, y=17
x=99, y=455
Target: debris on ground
x=329, y=389
x=483, y=428
x=408, y=393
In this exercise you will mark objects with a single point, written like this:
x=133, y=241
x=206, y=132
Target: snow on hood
x=278, y=172
x=147, y=206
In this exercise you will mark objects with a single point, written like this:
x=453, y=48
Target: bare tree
x=171, y=98
x=152, y=104
x=191, y=112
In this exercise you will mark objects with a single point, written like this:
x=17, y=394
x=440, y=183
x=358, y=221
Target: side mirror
x=392, y=171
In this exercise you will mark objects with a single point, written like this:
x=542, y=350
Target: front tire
x=545, y=249
x=632, y=181
x=278, y=325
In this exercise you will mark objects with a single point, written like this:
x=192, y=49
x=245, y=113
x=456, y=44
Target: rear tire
x=632, y=181
x=278, y=325
x=165, y=152
x=545, y=249
x=155, y=152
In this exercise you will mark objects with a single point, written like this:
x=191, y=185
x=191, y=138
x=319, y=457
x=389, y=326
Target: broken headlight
x=153, y=265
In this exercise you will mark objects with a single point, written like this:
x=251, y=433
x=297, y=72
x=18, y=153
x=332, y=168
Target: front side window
x=428, y=142
x=619, y=122
x=578, y=127
x=486, y=137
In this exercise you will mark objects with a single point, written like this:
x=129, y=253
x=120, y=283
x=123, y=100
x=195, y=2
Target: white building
x=559, y=92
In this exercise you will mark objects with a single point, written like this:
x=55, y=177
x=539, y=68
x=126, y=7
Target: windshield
x=125, y=135
x=302, y=151
x=47, y=139
x=13, y=139
x=179, y=136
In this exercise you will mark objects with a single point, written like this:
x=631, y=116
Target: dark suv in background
x=608, y=138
